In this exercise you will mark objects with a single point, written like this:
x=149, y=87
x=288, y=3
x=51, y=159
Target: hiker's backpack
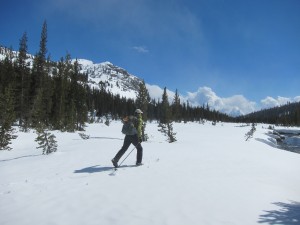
x=128, y=127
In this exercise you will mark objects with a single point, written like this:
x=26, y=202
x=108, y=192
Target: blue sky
x=234, y=47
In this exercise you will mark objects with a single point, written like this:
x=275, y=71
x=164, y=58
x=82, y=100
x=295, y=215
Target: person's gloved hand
x=140, y=139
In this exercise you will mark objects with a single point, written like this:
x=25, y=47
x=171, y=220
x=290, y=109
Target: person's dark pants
x=131, y=139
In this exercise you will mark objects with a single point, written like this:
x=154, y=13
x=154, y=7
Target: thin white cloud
x=141, y=49
x=297, y=99
x=234, y=105
x=156, y=92
x=270, y=102
x=151, y=19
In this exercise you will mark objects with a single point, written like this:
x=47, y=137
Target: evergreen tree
x=22, y=56
x=48, y=87
x=167, y=130
x=39, y=65
x=7, y=117
x=165, y=111
x=152, y=110
x=176, y=107
x=41, y=81
x=143, y=99
x=23, y=88
x=250, y=133
x=37, y=111
x=142, y=102
x=165, y=123
x=41, y=57
x=46, y=140
x=7, y=72
x=58, y=96
x=80, y=96
x=70, y=121
x=69, y=99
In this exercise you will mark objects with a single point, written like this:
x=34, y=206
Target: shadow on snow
x=20, y=157
x=111, y=138
x=269, y=142
x=288, y=214
x=99, y=169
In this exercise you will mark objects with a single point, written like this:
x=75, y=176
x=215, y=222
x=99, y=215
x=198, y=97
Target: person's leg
x=139, y=148
x=127, y=142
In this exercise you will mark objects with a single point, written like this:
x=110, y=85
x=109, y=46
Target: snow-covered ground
x=211, y=175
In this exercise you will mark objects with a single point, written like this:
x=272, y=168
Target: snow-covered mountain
x=113, y=78
x=14, y=54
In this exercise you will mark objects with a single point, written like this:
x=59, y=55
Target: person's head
x=138, y=112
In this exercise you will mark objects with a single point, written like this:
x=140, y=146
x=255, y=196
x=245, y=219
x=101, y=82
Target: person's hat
x=138, y=111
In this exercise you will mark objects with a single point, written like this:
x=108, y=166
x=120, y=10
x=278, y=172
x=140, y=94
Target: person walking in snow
x=132, y=128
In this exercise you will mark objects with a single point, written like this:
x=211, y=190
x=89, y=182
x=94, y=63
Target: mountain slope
x=113, y=78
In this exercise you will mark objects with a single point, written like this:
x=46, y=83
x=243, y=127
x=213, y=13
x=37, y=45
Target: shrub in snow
x=46, y=141
x=6, y=135
x=107, y=120
x=271, y=127
x=250, y=133
x=167, y=130
x=84, y=136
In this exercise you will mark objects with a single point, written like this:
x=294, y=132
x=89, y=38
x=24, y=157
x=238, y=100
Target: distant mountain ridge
x=14, y=54
x=110, y=77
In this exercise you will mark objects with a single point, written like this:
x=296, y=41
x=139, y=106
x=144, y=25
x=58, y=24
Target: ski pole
x=127, y=156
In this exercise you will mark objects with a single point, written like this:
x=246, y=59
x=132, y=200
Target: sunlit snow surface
x=211, y=175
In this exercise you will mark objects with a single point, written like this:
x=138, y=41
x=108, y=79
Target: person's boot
x=114, y=162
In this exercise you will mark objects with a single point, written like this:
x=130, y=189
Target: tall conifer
x=176, y=107
x=7, y=117
x=23, y=90
x=165, y=110
x=42, y=82
x=142, y=102
x=143, y=99
x=165, y=123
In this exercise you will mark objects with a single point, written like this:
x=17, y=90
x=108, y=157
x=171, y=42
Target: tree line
x=285, y=115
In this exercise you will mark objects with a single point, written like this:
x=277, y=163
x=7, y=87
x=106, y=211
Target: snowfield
x=210, y=176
